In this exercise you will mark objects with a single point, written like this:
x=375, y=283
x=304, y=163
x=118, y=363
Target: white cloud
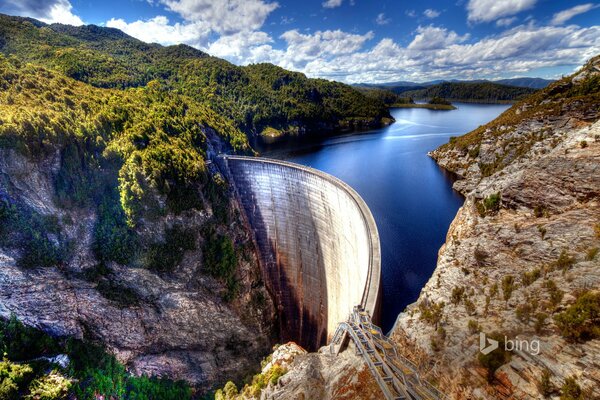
x=431, y=13
x=48, y=11
x=332, y=3
x=223, y=17
x=382, y=20
x=432, y=37
x=491, y=10
x=158, y=30
x=506, y=21
x=303, y=48
x=516, y=51
x=411, y=13
x=565, y=15
x=243, y=47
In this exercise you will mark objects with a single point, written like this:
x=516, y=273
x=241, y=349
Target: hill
x=476, y=92
x=534, y=83
x=254, y=97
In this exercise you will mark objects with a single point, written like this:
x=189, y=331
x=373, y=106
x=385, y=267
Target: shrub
x=556, y=295
x=21, y=227
x=571, y=390
x=492, y=202
x=564, y=261
x=540, y=321
x=220, y=260
x=165, y=256
x=524, y=312
x=480, y=255
x=508, y=285
x=473, y=326
x=494, y=290
x=13, y=378
x=50, y=387
x=114, y=240
x=591, y=254
x=496, y=358
x=529, y=277
x=544, y=385
x=457, y=294
x=542, y=231
x=581, y=320
x=470, y=307
x=431, y=312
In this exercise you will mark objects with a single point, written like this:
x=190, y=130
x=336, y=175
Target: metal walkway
x=396, y=375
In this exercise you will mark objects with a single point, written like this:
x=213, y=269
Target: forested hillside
x=476, y=92
x=255, y=97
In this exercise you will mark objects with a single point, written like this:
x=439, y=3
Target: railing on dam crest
x=396, y=375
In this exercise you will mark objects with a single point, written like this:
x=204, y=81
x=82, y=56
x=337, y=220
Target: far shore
x=424, y=105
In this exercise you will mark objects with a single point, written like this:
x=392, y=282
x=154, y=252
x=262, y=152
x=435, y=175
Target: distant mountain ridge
x=535, y=83
x=480, y=91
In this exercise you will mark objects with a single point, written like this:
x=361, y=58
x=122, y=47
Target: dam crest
x=317, y=242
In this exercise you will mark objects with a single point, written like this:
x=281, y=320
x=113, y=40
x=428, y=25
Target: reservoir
x=411, y=198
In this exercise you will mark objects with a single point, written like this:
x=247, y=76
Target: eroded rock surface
x=520, y=250
x=179, y=326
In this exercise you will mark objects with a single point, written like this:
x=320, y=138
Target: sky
x=357, y=40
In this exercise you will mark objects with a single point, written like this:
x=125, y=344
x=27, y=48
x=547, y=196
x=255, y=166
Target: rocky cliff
x=520, y=260
x=165, y=324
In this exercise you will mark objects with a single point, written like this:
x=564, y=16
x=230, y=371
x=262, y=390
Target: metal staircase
x=396, y=375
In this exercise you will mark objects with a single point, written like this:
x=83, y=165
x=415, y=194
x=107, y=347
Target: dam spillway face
x=317, y=242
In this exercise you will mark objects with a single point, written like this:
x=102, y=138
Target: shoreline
x=438, y=107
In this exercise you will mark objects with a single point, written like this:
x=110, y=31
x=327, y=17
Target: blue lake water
x=410, y=197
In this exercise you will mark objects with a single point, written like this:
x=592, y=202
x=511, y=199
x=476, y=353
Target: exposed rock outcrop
x=521, y=249
x=325, y=376
x=178, y=326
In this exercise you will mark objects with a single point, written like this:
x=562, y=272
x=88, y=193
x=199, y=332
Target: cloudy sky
x=357, y=40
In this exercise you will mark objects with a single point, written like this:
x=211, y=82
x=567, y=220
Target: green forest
x=476, y=92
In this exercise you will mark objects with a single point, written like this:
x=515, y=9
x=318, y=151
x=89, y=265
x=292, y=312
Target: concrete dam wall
x=317, y=243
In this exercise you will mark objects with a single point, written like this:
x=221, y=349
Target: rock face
x=178, y=326
x=324, y=376
x=520, y=250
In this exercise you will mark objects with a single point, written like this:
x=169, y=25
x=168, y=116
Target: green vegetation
x=22, y=227
x=457, y=294
x=508, y=286
x=484, y=92
x=490, y=205
x=571, y=390
x=556, y=295
x=165, y=256
x=581, y=320
x=544, y=385
x=431, y=312
x=92, y=372
x=387, y=97
x=563, y=262
x=497, y=358
x=220, y=260
x=527, y=278
x=253, y=389
x=253, y=97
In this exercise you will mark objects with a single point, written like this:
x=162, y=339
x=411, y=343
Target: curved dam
x=317, y=242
